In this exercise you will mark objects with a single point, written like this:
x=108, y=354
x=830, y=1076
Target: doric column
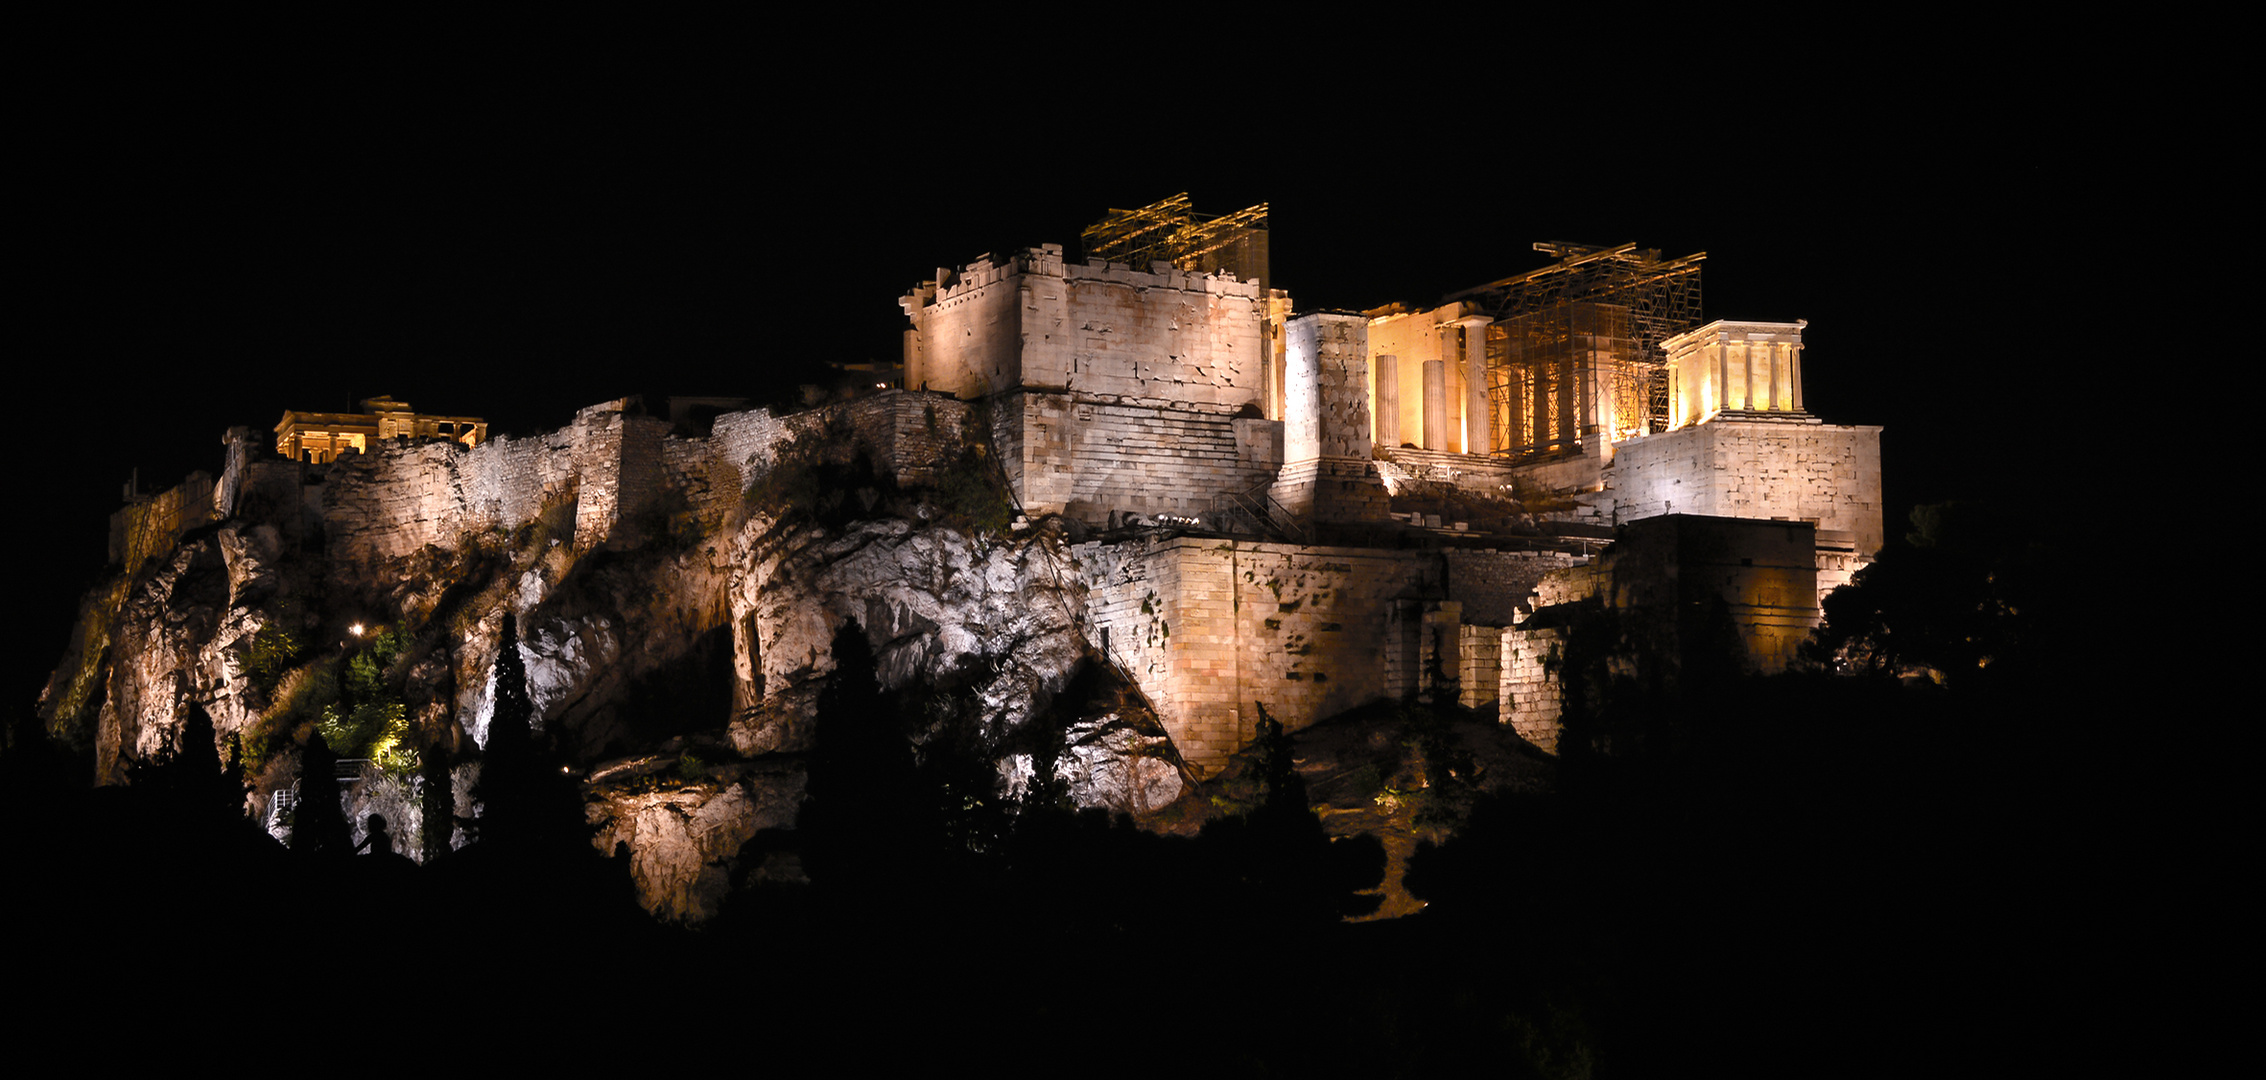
x=1435, y=405
x=1477, y=416
x=1385, y=403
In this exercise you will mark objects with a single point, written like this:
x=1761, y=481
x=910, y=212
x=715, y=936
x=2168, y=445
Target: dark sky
x=516, y=231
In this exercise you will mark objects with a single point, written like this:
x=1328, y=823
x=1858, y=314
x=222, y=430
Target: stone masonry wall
x=1532, y=699
x=150, y=526
x=1824, y=474
x=1208, y=627
x=1087, y=456
x=1327, y=473
x=402, y=496
x=1481, y=654
x=1034, y=320
x=1493, y=585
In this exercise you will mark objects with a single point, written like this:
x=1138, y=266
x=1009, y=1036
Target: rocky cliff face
x=677, y=659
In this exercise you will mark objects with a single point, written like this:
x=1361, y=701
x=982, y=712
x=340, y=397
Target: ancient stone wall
x=1532, y=698
x=1493, y=585
x=1034, y=320
x=1677, y=583
x=402, y=496
x=967, y=330
x=1481, y=655
x=1087, y=456
x=1208, y=627
x=1827, y=475
x=149, y=527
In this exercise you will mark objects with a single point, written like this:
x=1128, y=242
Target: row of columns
x=1735, y=367
x=1452, y=413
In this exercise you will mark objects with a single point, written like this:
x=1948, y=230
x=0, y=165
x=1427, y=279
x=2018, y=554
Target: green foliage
x=303, y=693
x=275, y=651
x=72, y=721
x=690, y=768
x=349, y=700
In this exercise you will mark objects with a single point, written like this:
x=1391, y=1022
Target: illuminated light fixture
x=355, y=629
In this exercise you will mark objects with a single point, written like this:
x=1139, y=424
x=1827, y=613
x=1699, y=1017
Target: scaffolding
x=1171, y=231
x=1574, y=348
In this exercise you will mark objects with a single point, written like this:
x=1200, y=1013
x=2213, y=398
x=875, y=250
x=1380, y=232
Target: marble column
x=1385, y=405
x=1435, y=405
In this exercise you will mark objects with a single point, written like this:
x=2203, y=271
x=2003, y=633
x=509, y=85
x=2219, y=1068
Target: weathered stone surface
x=684, y=837
x=1003, y=616
x=1120, y=762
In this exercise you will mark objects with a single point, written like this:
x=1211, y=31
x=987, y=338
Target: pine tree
x=437, y=805
x=509, y=771
x=319, y=824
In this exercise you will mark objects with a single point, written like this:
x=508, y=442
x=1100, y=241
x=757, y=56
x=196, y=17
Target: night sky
x=515, y=231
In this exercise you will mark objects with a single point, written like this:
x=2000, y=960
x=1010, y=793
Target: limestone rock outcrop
x=939, y=606
x=653, y=605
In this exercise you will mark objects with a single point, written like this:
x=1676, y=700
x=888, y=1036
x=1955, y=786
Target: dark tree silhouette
x=436, y=803
x=525, y=800
x=1280, y=860
x=319, y=823
x=864, y=819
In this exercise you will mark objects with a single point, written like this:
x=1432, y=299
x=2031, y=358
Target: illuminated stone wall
x=1482, y=665
x=617, y=461
x=1208, y=627
x=1087, y=456
x=1532, y=698
x=402, y=496
x=1112, y=389
x=1493, y=586
x=1825, y=474
x=1035, y=320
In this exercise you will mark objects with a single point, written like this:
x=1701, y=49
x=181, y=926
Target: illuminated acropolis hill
x=1258, y=492
x=320, y=437
x=1160, y=381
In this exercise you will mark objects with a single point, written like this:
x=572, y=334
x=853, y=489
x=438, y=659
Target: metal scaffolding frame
x=1581, y=338
x=1170, y=230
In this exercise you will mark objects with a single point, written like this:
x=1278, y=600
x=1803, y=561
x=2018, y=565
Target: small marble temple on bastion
x=1302, y=511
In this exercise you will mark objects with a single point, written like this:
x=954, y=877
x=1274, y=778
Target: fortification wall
x=1035, y=320
x=402, y=496
x=1824, y=474
x=150, y=526
x=1208, y=627
x=1086, y=456
x=967, y=332
x=1177, y=336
